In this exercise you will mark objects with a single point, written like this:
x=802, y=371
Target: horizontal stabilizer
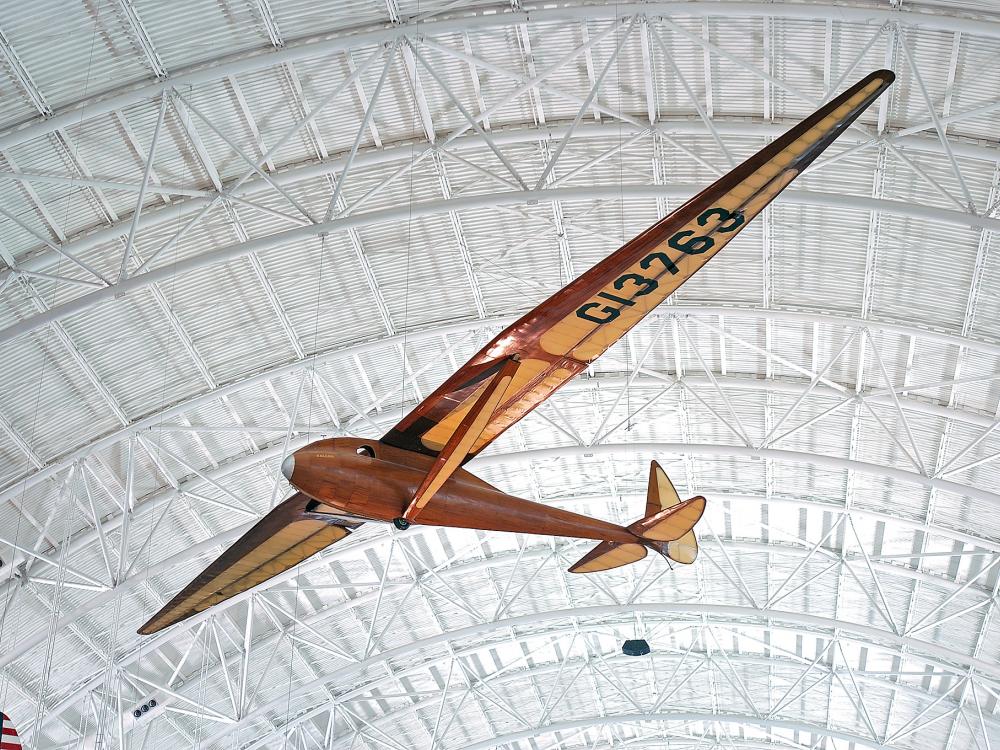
x=683, y=550
x=292, y=532
x=672, y=523
x=608, y=555
x=667, y=528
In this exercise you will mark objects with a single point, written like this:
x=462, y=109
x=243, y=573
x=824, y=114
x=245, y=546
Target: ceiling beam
x=199, y=260
x=537, y=670
x=674, y=610
x=708, y=717
x=415, y=337
x=104, y=102
x=42, y=256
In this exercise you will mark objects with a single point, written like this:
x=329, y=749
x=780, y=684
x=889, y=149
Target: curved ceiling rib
x=292, y=52
x=816, y=730
x=166, y=273
x=466, y=569
x=664, y=664
x=26, y=644
x=774, y=387
x=105, y=597
x=717, y=614
x=292, y=174
x=151, y=504
x=464, y=328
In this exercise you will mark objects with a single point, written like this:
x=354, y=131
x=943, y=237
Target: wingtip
x=885, y=74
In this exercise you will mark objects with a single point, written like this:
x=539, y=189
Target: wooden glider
x=415, y=471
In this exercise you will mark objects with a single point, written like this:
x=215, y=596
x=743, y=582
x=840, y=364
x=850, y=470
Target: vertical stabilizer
x=660, y=493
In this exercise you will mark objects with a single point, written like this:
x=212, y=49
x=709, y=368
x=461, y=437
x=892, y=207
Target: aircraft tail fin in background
x=8, y=735
x=668, y=528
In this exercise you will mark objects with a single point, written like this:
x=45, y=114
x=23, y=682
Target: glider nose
x=288, y=466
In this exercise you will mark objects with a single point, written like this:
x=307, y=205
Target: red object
x=417, y=467
x=8, y=735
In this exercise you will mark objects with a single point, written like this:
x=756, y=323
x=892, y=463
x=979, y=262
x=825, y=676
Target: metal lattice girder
x=463, y=571
x=373, y=158
x=716, y=614
x=458, y=572
x=875, y=17
x=432, y=208
x=196, y=551
x=816, y=730
x=911, y=575
x=153, y=217
x=52, y=470
x=491, y=324
x=973, y=415
x=778, y=626
x=665, y=664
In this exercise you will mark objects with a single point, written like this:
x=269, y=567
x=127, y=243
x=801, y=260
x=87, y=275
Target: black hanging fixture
x=636, y=647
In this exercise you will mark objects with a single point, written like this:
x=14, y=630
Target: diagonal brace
x=461, y=442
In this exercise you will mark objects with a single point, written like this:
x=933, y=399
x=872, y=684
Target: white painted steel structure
x=227, y=229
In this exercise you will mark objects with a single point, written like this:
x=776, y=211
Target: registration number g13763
x=634, y=285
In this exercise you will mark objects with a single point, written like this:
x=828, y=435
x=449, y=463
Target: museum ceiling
x=229, y=229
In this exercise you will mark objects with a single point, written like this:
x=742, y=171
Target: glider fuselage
x=375, y=481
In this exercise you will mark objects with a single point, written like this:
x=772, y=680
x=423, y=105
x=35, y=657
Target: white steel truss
x=848, y=583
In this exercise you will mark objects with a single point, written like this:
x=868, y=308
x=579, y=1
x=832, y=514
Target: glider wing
x=560, y=337
x=293, y=531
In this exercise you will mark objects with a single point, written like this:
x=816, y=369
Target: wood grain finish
x=469, y=429
x=282, y=539
x=381, y=487
x=561, y=336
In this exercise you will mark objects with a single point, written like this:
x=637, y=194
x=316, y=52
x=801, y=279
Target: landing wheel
x=401, y=523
